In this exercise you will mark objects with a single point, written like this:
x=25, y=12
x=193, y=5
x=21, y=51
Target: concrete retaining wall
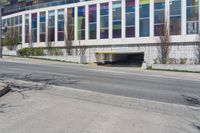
x=178, y=67
x=9, y=52
x=75, y=59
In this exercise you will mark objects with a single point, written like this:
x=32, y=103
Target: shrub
x=55, y=51
x=31, y=52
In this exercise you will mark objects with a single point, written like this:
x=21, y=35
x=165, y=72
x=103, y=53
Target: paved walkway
x=65, y=110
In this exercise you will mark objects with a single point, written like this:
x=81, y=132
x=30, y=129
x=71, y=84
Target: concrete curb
x=3, y=89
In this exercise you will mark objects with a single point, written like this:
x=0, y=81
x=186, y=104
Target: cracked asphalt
x=57, y=97
x=168, y=89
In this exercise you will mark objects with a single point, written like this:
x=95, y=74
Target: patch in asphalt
x=192, y=101
x=48, y=79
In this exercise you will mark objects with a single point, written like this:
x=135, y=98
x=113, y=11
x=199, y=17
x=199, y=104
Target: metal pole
x=0, y=30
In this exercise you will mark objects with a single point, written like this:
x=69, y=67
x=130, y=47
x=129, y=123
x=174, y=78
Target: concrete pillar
x=137, y=19
x=76, y=23
x=110, y=20
x=98, y=20
x=123, y=8
x=87, y=22
x=23, y=29
x=183, y=17
x=151, y=18
x=38, y=27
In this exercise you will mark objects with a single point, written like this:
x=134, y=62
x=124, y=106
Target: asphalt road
x=136, y=85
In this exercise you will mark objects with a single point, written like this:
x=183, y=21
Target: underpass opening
x=120, y=58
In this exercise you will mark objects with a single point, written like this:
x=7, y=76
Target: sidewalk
x=67, y=110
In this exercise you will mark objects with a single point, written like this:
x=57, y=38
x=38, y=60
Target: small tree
x=164, y=42
x=68, y=35
x=11, y=39
x=49, y=41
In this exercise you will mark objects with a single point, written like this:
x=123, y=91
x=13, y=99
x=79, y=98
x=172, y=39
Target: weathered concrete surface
x=3, y=88
x=67, y=110
x=75, y=59
x=179, y=67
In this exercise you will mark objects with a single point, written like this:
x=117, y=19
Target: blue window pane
x=144, y=27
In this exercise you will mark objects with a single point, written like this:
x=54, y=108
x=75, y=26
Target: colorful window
x=27, y=31
x=70, y=23
x=175, y=17
x=192, y=16
x=61, y=25
x=144, y=18
x=159, y=17
x=34, y=27
x=42, y=26
x=81, y=23
x=92, y=22
x=117, y=19
x=130, y=18
x=51, y=26
x=104, y=21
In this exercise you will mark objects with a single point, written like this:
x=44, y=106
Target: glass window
x=130, y=18
x=159, y=17
x=92, y=21
x=70, y=23
x=34, y=27
x=61, y=25
x=42, y=26
x=192, y=16
x=144, y=18
x=27, y=32
x=81, y=23
x=104, y=21
x=175, y=17
x=51, y=26
x=117, y=19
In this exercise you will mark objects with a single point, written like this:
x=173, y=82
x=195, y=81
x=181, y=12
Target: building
x=113, y=28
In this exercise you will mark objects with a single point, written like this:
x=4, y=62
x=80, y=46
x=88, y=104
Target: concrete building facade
x=111, y=26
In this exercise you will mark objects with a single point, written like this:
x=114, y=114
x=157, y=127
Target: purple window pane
x=130, y=31
x=42, y=37
x=104, y=34
x=60, y=36
x=92, y=13
x=116, y=33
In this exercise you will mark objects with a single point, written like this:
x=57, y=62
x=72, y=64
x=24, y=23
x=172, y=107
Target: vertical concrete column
x=183, y=17
x=56, y=26
x=38, y=27
x=151, y=18
x=98, y=20
x=23, y=30
x=110, y=20
x=76, y=23
x=137, y=18
x=167, y=13
x=123, y=8
x=30, y=31
x=86, y=22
